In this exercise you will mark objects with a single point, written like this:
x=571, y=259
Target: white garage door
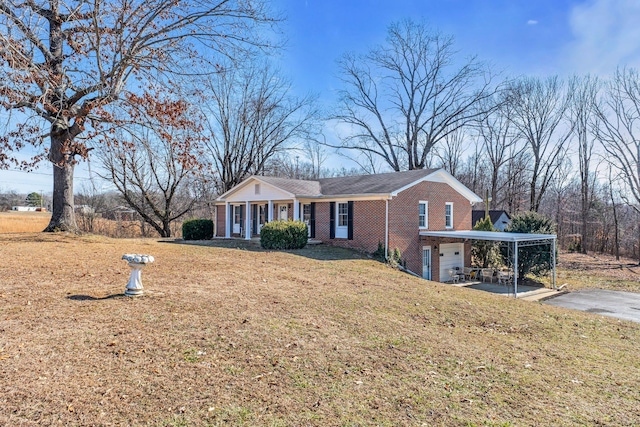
x=451, y=256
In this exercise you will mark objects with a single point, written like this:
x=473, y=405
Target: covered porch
x=245, y=219
x=512, y=241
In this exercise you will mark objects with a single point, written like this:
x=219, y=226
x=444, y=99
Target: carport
x=513, y=241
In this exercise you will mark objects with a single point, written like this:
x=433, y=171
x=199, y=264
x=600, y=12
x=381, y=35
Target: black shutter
x=350, y=220
x=254, y=219
x=312, y=221
x=230, y=221
x=241, y=220
x=266, y=213
x=332, y=220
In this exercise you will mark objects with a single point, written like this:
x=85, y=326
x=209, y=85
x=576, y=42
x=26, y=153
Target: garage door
x=451, y=256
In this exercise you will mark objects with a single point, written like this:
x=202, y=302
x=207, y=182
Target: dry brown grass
x=581, y=271
x=317, y=337
x=23, y=222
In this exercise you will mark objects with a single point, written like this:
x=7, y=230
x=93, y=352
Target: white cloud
x=532, y=22
x=606, y=35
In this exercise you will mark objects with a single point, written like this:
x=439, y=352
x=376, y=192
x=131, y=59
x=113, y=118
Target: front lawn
x=316, y=337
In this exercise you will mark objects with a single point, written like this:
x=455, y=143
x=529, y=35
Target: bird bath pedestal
x=137, y=262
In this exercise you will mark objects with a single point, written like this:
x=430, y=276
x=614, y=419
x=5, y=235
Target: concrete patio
x=528, y=293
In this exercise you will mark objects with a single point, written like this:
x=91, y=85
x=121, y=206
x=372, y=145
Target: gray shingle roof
x=477, y=215
x=294, y=186
x=382, y=183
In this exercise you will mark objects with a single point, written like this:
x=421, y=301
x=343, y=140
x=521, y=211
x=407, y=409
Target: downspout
x=386, y=229
x=515, y=269
x=553, y=260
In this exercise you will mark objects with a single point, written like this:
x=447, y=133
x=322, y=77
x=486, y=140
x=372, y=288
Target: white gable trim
x=445, y=177
x=254, y=179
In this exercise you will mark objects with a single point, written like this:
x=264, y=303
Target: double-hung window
x=448, y=215
x=343, y=214
x=423, y=214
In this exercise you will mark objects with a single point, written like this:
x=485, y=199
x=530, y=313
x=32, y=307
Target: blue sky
x=535, y=37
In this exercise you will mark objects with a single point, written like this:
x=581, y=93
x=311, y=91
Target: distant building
x=499, y=218
x=27, y=208
x=121, y=213
x=84, y=209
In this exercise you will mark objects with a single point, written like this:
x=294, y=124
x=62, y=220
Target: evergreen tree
x=34, y=199
x=485, y=253
x=532, y=259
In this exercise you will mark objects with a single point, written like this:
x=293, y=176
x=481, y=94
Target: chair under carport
x=513, y=242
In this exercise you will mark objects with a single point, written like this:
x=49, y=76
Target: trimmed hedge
x=284, y=235
x=197, y=229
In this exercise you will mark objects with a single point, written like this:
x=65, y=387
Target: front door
x=262, y=216
x=342, y=224
x=283, y=212
x=426, y=262
x=306, y=216
x=237, y=219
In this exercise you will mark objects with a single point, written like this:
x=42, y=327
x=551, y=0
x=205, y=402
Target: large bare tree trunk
x=63, y=62
x=63, y=215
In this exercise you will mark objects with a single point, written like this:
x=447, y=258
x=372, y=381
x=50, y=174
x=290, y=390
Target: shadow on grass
x=91, y=298
x=317, y=252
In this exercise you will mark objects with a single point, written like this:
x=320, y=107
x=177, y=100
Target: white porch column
x=296, y=210
x=227, y=220
x=270, y=213
x=247, y=221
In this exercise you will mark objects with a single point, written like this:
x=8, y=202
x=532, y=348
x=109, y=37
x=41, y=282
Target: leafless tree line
x=180, y=102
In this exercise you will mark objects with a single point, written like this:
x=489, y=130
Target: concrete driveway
x=622, y=305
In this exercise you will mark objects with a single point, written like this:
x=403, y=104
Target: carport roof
x=498, y=236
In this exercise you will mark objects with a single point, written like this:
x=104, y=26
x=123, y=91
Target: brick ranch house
x=393, y=209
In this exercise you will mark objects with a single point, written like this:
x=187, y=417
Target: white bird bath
x=137, y=262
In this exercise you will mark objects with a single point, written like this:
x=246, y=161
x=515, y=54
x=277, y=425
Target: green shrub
x=380, y=252
x=485, y=253
x=197, y=229
x=284, y=235
x=531, y=259
x=395, y=258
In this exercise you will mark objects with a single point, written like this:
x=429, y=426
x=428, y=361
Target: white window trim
x=430, y=275
x=445, y=215
x=341, y=231
x=426, y=214
x=345, y=214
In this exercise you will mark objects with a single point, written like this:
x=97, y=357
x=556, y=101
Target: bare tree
x=472, y=173
x=252, y=117
x=615, y=216
x=316, y=155
x=584, y=93
x=449, y=152
x=498, y=134
x=63, y=62
x=153, y=159
x=619, y=130
x=539, y=107
x=405, y=96
x=517, y=178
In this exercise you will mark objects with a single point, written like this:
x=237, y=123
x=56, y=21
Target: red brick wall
x=403, y=219
x=435, y=243
x=368, y=225
x=220, y=220
x=322, y=222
